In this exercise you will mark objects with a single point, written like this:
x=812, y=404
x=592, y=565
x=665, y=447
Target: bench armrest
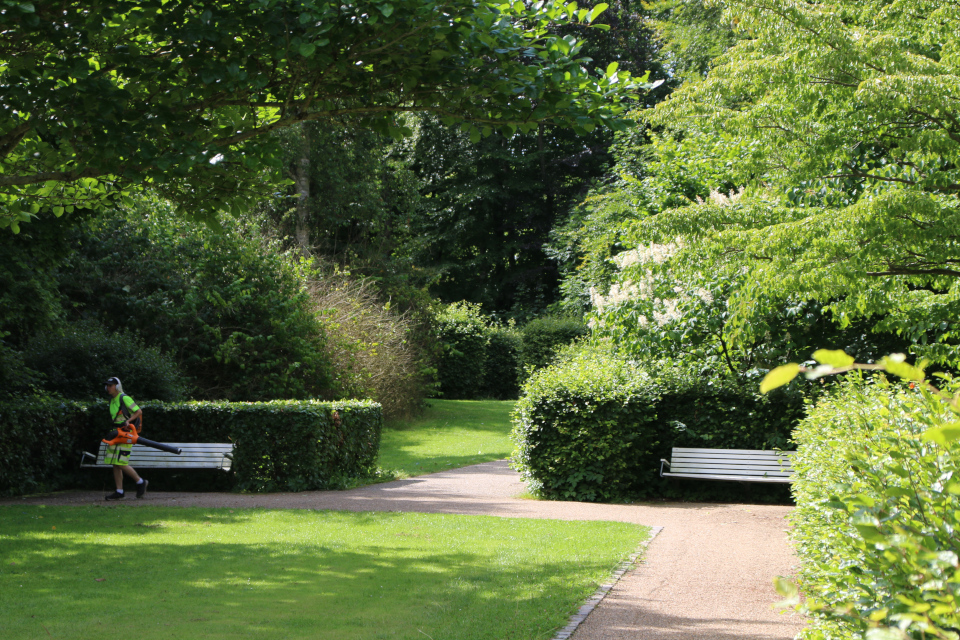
x=663, y=462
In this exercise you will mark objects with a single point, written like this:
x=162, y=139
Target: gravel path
x=708, y=574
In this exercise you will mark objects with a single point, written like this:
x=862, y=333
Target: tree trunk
x=302, y=179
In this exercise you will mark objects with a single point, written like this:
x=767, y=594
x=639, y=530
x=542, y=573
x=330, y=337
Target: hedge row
x=278, y=445
x=595, y=427
x=878, y=513
x=480, y=359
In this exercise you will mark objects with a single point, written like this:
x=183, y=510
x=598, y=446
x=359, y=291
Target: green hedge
x=878, y=513
x=543, y=338
x=462, y=333
x=594, y=428
x=279, y=445
x=501, y=379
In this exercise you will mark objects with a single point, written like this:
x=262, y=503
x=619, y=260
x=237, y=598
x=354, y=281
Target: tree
x=845, y=116
x=98, y=96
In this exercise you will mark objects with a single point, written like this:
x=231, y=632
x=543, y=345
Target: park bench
x=194, y=455
x=742, y=465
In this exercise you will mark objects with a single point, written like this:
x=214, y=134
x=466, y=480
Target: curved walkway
x=708, y=574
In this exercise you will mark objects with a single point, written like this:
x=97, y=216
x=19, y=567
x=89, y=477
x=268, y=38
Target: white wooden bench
x=195, y=455
x=741, y=465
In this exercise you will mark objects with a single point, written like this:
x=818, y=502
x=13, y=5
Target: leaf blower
x=124, y=436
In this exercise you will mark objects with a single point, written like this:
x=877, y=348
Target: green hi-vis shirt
x=115, y=412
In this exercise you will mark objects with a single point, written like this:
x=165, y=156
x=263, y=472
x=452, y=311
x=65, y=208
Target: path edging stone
x=604, y=589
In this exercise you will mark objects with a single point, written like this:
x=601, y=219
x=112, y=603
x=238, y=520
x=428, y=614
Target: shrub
x=232, y=310
x=39, y=437
x=463, y=336
x=370, y=347
x=878, y=510
x=594, y=427
x=580, y=426
x=76, y=360
x=501, y=379
x=544, y=337
x=16, y=378
x=279, y=445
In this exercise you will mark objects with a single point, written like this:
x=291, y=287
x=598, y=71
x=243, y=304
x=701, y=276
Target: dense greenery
x=234, y=314
x=77, y=360
x=877, y=512
x=462, y=332
x=502, y=371
x=177, y=94
x=482, y=358
x=278, y=446
x=837, y=116
x=595, y=426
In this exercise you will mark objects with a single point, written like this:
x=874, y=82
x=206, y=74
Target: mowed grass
x=158, y=572
x=450, y=434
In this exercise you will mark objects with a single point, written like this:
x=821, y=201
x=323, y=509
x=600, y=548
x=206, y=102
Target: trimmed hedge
x=501, y=379
x=543, y=338
x=594, y=428
x=279, y=445
x=878, y=511
x=462, y=333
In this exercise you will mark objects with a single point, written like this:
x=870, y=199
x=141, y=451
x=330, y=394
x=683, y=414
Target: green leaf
x=386, y=10
x=895, y=364
x=612, y=68
x=596, y=11
x=307, y=49
x=833, y=357
x=943, y=435
x=870, y=533
x=780, y=376
x=58, y=211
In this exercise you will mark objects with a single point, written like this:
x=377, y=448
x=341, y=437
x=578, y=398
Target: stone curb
x=604, y=589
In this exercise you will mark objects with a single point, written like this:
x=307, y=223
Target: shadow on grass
x=179, y=573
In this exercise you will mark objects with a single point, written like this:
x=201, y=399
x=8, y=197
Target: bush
x=39, y=442
x=463, y=336
x=76, y=360
x=878, y=509
x=16, y=378
x=580, y=427
x=232, y=310
x=279, y=446
x=594, y=427
x=371, y=349
x=501, y=379
x=544, y=337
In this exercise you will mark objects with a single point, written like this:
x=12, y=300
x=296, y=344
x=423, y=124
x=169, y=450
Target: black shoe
x=116, y=495
x=142, y=488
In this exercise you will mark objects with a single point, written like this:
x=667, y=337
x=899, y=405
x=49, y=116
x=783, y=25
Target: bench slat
x=743, y=465
x=701, y=476
x=194, y=455
x=748, y=452
x=733, y=464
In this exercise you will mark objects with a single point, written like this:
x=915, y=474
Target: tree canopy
x=842, y=121
x=99, y=96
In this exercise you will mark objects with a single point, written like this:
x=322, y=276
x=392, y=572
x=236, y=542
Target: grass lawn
x=450, y=434
x=156, y=572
